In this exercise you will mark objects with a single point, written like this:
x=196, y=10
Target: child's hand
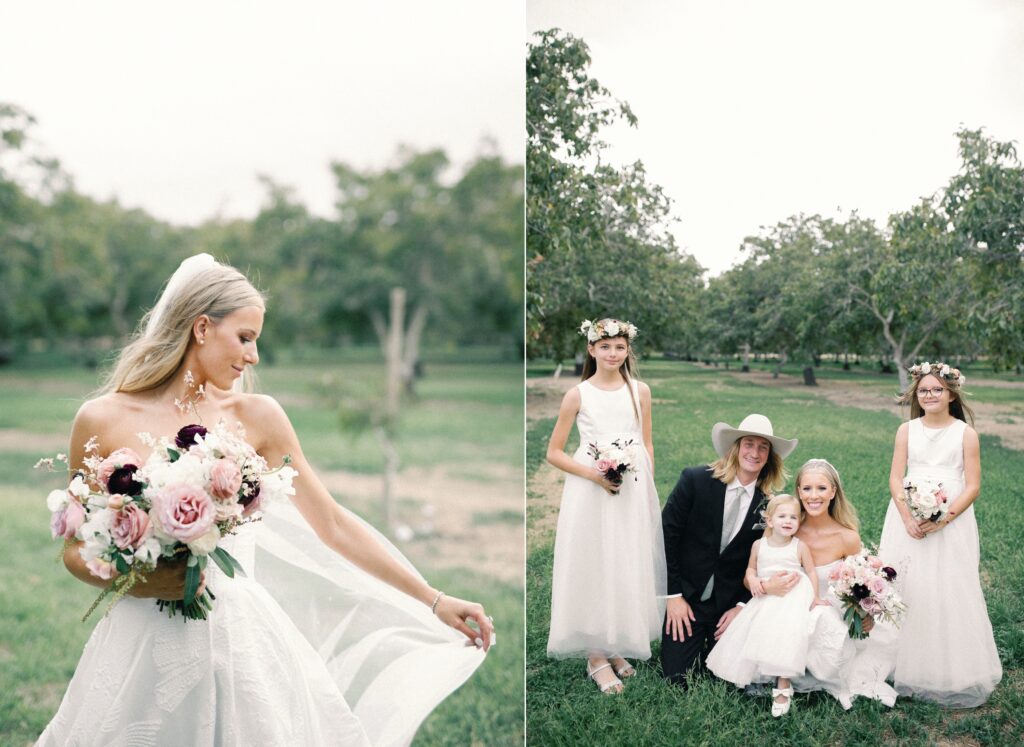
x=820, y=603
x=756, y=588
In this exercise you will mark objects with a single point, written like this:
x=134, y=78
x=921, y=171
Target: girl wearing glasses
x=946, y=652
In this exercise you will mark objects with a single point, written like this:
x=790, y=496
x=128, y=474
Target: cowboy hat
x=724, y=435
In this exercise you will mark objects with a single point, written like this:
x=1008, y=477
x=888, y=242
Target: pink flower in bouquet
x=870, y=605
x=117, y=459
x=131, y=526
x=846, y=573
x=874, y=562
x=100, y=568
x=877, y=585
x=183, y=512
x=604, y=465
x=65, y=521
x=225, y=479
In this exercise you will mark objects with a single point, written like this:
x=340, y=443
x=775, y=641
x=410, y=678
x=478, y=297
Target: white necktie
x=730, y=512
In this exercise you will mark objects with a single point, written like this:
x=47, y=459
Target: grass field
x=467, y=419
x=563, y=708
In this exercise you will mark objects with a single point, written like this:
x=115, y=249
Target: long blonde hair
x=160, y=342
x=772, y=476
x=839, y=508
x=773, y=506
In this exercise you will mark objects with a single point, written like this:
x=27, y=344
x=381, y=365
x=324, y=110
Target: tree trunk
x=809, y=379
x=778, y=366
x=558, y=371
x=393, y=357
x=746, y=358
x=411, y=354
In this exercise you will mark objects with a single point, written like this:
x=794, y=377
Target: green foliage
x=564, y=708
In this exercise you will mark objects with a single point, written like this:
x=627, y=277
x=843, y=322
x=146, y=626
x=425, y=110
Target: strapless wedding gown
x=315, y=652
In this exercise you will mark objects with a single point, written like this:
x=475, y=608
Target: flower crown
x=940, y=370
x=594, y=331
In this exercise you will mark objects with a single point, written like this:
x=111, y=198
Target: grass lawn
x=563, y=708
x=468, y=416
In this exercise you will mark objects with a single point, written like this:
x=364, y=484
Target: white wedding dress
x=946, y=652
x=316, y=652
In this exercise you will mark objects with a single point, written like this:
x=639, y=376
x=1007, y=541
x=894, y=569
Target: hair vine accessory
x=940, y=370
x=594, y=331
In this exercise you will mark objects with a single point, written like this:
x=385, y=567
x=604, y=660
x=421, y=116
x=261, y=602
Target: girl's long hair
x=773, y=505
x=839, y=508
x=957, y=407
x=771, y=478
x=156, y=351
x=628, y=370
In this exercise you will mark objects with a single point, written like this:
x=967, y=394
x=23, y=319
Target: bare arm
x=750, y=578
x=807, y=561
x=340, y=531
x=647, y=424
x=896, y=474
x=560, y=435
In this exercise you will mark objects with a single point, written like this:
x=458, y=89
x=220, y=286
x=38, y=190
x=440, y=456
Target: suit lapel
x=717, y=507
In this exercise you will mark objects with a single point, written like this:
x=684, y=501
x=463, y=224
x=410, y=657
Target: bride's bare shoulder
x=264, y=418
x=107, y=406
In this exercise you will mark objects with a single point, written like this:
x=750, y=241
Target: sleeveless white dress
x=608, y=580
x=769, y=637
x=351, y=662
x=946, y=652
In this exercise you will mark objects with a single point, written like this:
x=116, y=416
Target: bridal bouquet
x=866, y=589
x=181, y=502
x=926, y=500
x=615, y=459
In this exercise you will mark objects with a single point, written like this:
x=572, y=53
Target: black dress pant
x=677, y=657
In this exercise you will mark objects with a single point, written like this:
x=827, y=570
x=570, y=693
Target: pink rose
x=116, y=460
x=131, y=526
x=66, y=521
x=225, y=479
x=870, y=605
x=100, y=568
x=604, y=465
x=877, y=585
x=874, y=562
x=183, y=512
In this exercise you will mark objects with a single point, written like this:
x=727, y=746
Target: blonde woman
x=358, y=654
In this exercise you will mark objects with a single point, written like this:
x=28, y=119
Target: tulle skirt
x=608, y=580
x=946, y=651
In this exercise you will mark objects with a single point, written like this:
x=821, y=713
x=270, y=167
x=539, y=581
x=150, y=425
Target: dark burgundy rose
x=250, y=496
x=890, y=572
x=122, y=480
x=860, y=591
x=187, y=435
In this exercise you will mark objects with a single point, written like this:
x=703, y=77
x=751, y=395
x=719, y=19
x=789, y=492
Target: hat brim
x=723, y=436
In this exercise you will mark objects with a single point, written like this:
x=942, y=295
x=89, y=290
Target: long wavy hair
x=628, y=370
x=771, y=478
x=957, y=407
x=839, y=508
x=154, y=355
x=773, y=505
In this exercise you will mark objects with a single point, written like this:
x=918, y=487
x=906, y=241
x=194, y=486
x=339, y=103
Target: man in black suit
x=710, y=521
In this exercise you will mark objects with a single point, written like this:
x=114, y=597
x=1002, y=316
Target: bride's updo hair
x=161, y=340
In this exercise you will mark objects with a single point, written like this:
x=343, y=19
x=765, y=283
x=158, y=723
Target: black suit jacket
x=692, y=523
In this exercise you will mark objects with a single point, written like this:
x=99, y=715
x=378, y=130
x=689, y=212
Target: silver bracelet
x=433, y=606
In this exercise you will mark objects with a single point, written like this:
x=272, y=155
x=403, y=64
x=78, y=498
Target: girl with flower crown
x=946, y=650
x=609, y=563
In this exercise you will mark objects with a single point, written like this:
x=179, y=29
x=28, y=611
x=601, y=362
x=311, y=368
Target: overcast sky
x=750, y=112
x=176, y=107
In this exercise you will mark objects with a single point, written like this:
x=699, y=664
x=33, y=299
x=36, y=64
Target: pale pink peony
x=117, y=459
x=183, y=512
x=101, y=568
x=131, y=527
x=65, y=521
x=225, y=479
x=605, y=464
x=874, y=562
x=877, y=585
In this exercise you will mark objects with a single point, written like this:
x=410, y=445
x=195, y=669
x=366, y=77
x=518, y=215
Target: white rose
x=56, y=500
x=612, y=329
x=585, y=327
x=593, y=335
x=944, y=370
x=631, y=331
x=962, y=380
x=276, y=485
x=206, y=543
x=926, y=368
x=225, y=510
x=79, y=488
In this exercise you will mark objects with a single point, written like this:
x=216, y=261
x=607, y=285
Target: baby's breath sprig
x=191, y=399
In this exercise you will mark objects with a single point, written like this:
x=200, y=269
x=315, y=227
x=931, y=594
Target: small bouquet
x=926, y=500
x=615, y=459
x=189, y=494
x=866, y=589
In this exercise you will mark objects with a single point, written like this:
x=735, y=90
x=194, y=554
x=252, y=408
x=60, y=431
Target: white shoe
x=613, y=686
x=781, y=709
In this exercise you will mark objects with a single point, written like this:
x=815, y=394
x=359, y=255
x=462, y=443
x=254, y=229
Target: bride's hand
x=913, y=529
x=457, y=613
x=167, y=581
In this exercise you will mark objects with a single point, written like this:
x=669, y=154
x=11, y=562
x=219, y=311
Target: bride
x=340, y=642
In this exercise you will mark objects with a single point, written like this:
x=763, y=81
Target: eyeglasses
x=937, y=392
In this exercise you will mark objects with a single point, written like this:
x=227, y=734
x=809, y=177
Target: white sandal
x=607, y=686
x=626, y=670
x=781, y=709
